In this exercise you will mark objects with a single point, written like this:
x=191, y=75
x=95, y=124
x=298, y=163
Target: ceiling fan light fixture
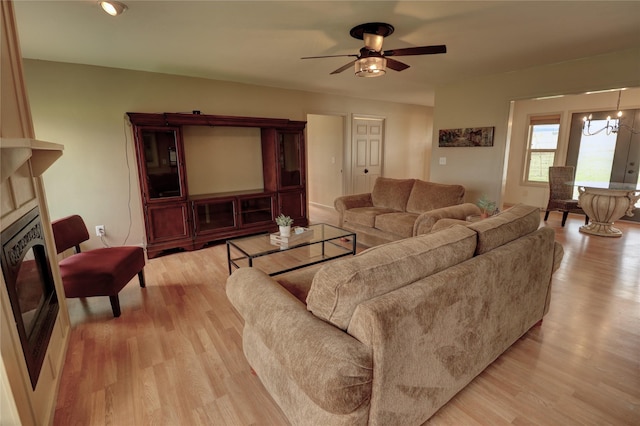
x=373, y=41
x=372, y=66
x=371, y=61
x=113, y=8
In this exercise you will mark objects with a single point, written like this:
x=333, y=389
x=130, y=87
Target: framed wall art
x=467, y=136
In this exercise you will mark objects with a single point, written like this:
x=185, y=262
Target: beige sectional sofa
x=398, y=208
x=390, y=335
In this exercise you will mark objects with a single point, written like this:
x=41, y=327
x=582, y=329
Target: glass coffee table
x=325, y=243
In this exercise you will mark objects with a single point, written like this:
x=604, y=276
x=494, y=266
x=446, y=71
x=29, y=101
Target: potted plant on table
x=487, y=206
x=284, y=222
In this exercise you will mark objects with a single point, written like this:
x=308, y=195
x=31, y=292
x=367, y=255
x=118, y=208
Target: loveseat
x=398, y=208
x=390, y=335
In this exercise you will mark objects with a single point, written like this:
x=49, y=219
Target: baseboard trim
x=322, y=206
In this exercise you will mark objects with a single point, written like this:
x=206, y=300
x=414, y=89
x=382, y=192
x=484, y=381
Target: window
x=542, y=145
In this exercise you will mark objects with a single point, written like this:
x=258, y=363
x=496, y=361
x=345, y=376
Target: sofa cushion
x=506, y=226
x=365, y=216
x=427, y=196
x=400, y=224
x=340, y=286
x=298, y=282
x=391, y=193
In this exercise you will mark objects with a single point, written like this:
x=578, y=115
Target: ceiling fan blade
x=339, y=70
x=396, y=65
x=328, y=56
x=423, y=50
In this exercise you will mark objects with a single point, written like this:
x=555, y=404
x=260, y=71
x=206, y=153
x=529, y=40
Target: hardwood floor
x=174, y=357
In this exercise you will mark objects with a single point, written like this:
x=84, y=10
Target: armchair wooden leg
x=115, y=305
x=564, y=217
x=546, y=215
x=586, y=219
x=141, y=278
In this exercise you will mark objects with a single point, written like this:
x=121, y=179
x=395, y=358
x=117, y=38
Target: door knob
x=366, y=170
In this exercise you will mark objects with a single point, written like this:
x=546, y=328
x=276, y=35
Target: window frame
x=533, y=121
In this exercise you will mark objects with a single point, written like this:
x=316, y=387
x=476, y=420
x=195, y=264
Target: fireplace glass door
x=32, y=294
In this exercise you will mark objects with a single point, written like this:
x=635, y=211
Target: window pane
x=539, y=164
x=595, y=157
x=544, y=136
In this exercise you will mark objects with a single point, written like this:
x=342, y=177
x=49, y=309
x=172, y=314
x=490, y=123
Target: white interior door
x=367, y=147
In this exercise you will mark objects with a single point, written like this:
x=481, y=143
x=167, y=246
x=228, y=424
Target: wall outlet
x=100, y=232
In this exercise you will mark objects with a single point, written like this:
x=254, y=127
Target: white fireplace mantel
x=14, y=152
x=23, y=160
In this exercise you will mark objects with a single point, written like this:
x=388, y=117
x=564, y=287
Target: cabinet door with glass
x=291, y=159
x=215, y=215
x=257, y=209
x=162, y=174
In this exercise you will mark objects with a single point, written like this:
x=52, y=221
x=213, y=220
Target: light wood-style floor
x=174, y=357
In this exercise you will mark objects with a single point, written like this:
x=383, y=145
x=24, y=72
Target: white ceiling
x=261, y=42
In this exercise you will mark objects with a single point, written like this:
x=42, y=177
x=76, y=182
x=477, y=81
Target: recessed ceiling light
x=113, y=8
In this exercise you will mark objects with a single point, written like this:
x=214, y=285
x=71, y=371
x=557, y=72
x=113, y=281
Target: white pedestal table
x=604, y=206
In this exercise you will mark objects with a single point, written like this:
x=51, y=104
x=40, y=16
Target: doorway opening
x=325, y=158
x=606, y=159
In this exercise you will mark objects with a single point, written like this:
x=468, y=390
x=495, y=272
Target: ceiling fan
x=372, y=61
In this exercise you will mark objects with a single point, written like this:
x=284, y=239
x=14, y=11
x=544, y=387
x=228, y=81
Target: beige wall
x=221, y=159
x=84, y=107
x=538, y=194
x=325, y=144
x=485, y=101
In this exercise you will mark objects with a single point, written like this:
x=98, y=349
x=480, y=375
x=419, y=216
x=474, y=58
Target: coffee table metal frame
x=256, y=246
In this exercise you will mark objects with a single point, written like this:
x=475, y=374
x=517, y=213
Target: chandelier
x=612, y=126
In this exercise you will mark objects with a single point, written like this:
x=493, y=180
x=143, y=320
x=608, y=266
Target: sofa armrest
x=558, y=254
x=347, y=202
x=405, y=329
x=322, y=359
x=426, y=220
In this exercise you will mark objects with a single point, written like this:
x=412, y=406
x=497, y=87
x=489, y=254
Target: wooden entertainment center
x=175, y=219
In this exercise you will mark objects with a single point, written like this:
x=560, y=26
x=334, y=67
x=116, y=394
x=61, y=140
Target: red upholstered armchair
x=99, y=272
